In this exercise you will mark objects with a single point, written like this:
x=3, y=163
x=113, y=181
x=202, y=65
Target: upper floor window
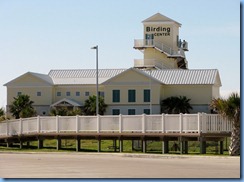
x=116, y=95
x=77, y=94
x=67, y=93
x=101, y=94
x=58, y=93
x=87, y=93
x=146, y=95
x=19, y=93
x=38, y=94
x=131, y=95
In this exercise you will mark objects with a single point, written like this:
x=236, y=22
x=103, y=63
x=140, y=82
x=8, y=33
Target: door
x=149, y=39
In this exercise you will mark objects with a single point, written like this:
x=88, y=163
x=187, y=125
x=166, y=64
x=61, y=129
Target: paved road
x=101, y=165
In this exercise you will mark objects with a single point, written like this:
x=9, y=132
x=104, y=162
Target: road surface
x=110, y=165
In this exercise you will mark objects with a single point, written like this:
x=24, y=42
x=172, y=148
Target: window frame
x=132, y=95
x=116, y=96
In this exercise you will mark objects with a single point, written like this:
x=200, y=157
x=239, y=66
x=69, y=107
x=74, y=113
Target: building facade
x=163, y=72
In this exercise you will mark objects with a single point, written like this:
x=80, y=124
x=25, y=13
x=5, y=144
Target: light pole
x=150, y=92
x=97, y=105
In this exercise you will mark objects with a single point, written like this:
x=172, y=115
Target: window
x=115, y=111
x=116, y=95
x=77, y=94
x=67, y=93
x=38, y=94
x=131, y=111
x=131, y=96
x=101, y=94
x=19, y=93
x=87, y=93
x=146, y=111
x=146, y=95
x=58, y=93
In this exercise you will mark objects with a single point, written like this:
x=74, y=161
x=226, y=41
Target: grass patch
x=154, y=147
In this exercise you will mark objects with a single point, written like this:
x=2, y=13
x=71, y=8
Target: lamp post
x=150, y=91
x=97, y=105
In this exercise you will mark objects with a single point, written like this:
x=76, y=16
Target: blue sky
x=41, y=35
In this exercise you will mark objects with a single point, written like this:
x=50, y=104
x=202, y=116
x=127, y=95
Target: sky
x=42, y=35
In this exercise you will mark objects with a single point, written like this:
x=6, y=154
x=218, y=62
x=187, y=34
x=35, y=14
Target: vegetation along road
x=111, y=165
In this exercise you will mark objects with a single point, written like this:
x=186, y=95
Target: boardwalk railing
x=165, y=123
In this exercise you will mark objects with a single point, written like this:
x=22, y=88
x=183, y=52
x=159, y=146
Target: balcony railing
x=143, y=43
x=141, y=63
x=165, y=123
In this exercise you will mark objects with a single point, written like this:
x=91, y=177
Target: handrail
x=164, y=123
x=158, y=45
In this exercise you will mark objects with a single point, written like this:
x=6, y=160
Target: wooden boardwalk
x=182, y=128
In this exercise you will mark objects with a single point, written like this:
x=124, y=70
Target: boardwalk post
x=165, y=147
x=40, y=143
x=221, y=147
x=120, y=145
x=77, y=144
x=59, y=142
x=98, y=145
x=144, y=145
x=202, y=146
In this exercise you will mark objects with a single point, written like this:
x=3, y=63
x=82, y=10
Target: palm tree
x=2, y=114
x=230, y=109
x=22, y=107
x=176, y=105
x=90, y=106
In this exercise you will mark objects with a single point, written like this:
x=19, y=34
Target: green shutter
x=147, y=95
x=131, y=96
x=116, y=95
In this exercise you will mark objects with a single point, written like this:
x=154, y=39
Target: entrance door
x=149, y=39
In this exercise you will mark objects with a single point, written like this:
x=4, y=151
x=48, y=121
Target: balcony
x=146, y=43
x=148, y=63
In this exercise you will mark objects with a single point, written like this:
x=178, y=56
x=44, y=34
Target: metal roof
x=185, y=77
x=82, y=76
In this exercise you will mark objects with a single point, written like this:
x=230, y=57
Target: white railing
x=139, y=43
x=165, y=123
x=149, y=63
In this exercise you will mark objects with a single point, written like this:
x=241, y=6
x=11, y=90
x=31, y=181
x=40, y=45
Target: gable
x=29, y=79
x=159, y=18
x=131, y=77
